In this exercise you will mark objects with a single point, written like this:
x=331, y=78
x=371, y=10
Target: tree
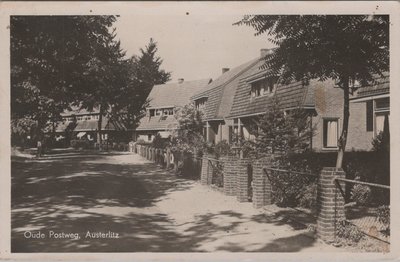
x=188, y=136
x=53, y=61
x=346, y=48
x=280, y=132
x=144, y=71
x=105, y=77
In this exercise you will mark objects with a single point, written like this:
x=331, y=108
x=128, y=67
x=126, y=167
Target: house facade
x=163, y=102
x=216, y=101
x=233, y=103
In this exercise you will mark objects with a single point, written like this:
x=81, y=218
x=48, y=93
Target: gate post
x=262, y=190
x=242, y=179
x=330, y=203
x=229, y=175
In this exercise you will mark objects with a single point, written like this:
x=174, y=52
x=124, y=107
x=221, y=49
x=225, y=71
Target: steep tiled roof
x=175, y=94
x=157, y=123
x=380, y=85
x=220, y=92
x=169, y=95
x=290, y=95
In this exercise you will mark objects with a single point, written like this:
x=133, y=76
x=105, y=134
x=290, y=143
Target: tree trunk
x=99, y=139
x=346, y=115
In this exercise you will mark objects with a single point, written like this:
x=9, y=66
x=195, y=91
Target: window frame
x=263, y=87
x=325, y=121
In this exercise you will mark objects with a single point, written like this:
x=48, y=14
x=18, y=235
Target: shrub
x=217, y=174
x=290, y=189
x=309, y=198
x=384, y=215
x=83, y=144
x=350, y=233
x=361, y=194
x=222, y=148
x=159, y=142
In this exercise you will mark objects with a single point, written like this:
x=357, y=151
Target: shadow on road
x=99, y=193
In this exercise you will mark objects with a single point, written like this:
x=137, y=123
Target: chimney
x=265, y=51
x=224, y=70
x=180, y=80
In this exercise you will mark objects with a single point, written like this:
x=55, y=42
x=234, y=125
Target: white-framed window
x=330, y=132
x=104, y=136
x=378, y=111
x=158, y=112
x=382, y=114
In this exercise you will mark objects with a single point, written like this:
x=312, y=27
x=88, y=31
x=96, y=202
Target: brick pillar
x=330, y=203
x=242, y=179
x=229, y=175
x=261, y=185
x=205, y=171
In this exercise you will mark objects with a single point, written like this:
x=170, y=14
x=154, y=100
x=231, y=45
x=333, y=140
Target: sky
x=192, y=46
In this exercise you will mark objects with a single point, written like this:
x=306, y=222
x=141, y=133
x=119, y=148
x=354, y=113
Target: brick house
x=247, y=92
x=163, y=101
x=216, y=101
x=83, y=124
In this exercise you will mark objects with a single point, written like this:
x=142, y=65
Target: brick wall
x=329, y=104
x=330, y=203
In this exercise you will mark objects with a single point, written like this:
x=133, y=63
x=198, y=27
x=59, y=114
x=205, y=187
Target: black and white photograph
x=192, y=131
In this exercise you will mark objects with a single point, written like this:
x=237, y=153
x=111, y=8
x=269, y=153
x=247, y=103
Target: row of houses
x=83, y=124
x=233, y=102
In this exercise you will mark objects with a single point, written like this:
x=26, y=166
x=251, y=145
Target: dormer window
x=263, y=87
x=168, y=112
x=161, y=112
x=201, y=103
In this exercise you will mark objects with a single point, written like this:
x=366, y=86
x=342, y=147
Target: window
x=380, y=119
x=149, y=137
x=331, y=130
x=168, y=112
x=152, y=112
x=201, y=103
x=381, y=114
x=263, y=87
x=158, y=112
